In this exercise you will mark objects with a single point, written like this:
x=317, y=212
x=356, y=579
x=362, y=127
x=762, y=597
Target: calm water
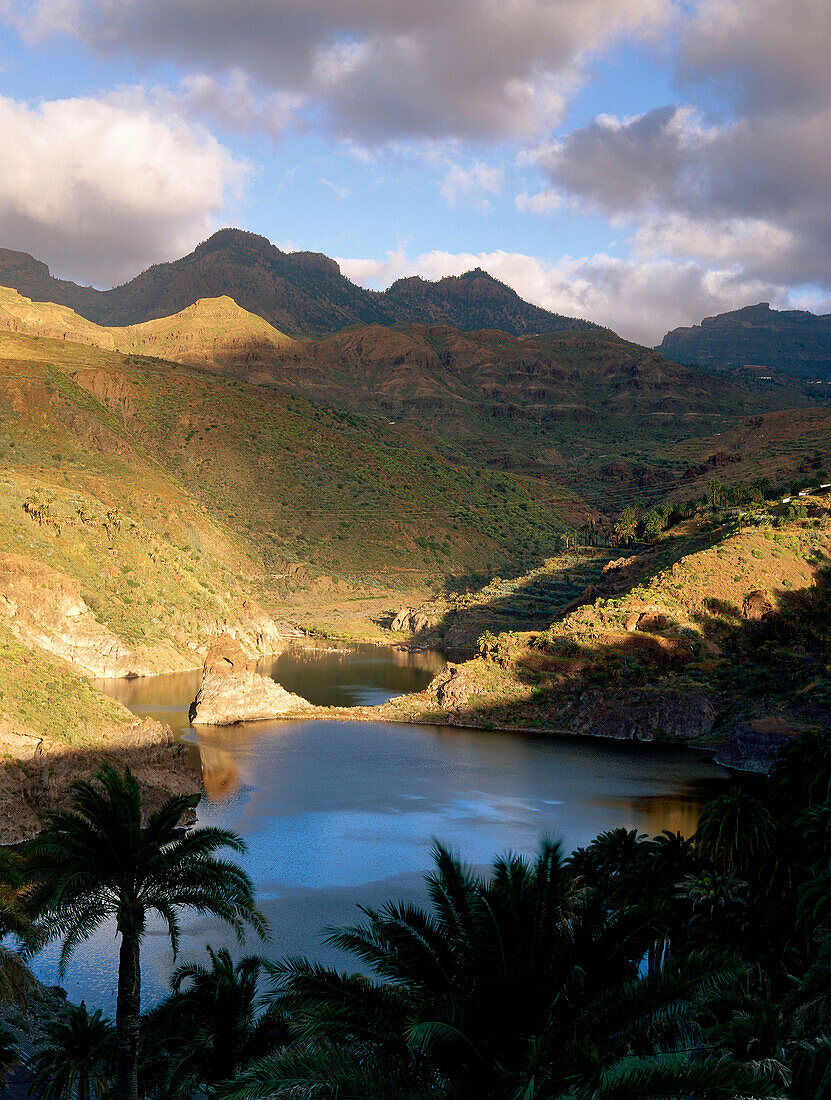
x=341, y=813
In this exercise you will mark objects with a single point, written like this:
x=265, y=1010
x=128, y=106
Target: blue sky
x=639, y=162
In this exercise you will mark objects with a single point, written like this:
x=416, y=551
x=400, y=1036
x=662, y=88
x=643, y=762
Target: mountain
x=214, y=333
x=564, y=406
x=793, y=341
x=472, y=301
x=300, y=293
x=542, y=405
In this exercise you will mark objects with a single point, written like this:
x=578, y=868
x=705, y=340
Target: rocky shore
x=39, y=771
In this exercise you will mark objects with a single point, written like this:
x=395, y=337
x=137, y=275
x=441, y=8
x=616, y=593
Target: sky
x=641, y=163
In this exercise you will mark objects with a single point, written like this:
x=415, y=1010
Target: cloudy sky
x=642, y=163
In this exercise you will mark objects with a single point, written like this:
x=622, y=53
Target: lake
x=339, y=813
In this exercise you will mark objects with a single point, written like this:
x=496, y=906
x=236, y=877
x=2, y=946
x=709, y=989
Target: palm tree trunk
x=128, y=1016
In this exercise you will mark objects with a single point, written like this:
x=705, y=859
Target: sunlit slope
x=213, y=332
x=285, y=480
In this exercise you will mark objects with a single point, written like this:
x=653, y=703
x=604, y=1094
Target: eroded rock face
x=757, y=606
x=233, y=691
x=414, y=621
x=44, y=607
x=754, y=745
x=454, y=689
x=641, y=715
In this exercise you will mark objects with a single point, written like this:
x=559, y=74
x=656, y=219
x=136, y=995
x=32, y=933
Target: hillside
x=281, y=479
x=716, y=639
x=214, y=333
x=300, y=293
x=584, y=409
x=796, y=342
x=545, y=405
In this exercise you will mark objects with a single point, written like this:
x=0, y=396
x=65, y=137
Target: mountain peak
x=792, y=341
x=300, y=293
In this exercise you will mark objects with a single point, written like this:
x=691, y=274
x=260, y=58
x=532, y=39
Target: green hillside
x=225, y=473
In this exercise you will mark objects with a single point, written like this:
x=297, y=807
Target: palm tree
x=209, y=1027
x=801, y=775
x=512, y=986
x=736, y=836
x=15, y=978
x=76, y=1060
x=9, y=1054
x=101, y=861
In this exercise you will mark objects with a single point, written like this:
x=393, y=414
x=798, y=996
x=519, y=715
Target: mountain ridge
x=299, y=293
x=795, y=342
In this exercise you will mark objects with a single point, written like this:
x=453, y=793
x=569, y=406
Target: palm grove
x=634, y=967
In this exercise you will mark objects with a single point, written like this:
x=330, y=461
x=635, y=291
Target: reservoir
x=338, y=814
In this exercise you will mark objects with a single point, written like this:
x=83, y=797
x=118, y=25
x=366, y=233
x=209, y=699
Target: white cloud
x=434, y=69
x=338, y=191
x=757, y=186
x=543, y=202
x=234, y=103
x=640, y=299
x=475, y=183
x=100, y=188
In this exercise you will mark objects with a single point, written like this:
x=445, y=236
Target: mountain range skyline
x=304, y=293
x=645, y=164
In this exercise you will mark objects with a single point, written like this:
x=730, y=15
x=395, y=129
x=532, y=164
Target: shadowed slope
x=299, y=292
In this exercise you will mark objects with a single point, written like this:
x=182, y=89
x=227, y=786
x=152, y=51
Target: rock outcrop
x=754, y=745
x=233, y=691
x=39, y=771
x=641, y=715
x=44, y=607
x=757, y=606
x=413, y=621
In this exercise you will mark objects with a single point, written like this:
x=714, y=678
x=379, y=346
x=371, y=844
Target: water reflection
x=325, y=673
x=351, y=676
x=339, y=813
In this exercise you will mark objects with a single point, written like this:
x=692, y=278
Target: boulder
x=413, y=621
x=757, y=606
x=233, y=691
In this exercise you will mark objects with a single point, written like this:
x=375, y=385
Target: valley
x=169, y=480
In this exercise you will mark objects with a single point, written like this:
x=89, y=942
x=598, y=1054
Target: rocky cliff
x=233, y=691
x=795, y=342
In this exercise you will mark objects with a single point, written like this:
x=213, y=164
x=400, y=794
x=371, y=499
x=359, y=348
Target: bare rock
x=233, y=691
x=226, y=655
x=44, y=607
x=40, y=771
x=454, y=688
x=413, y=621
x=642, y=715
x=754, y=745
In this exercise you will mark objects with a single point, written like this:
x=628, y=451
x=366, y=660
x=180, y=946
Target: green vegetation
x=75, y=1060
x=691, y=967
x=102, y=861
x=44, y=695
